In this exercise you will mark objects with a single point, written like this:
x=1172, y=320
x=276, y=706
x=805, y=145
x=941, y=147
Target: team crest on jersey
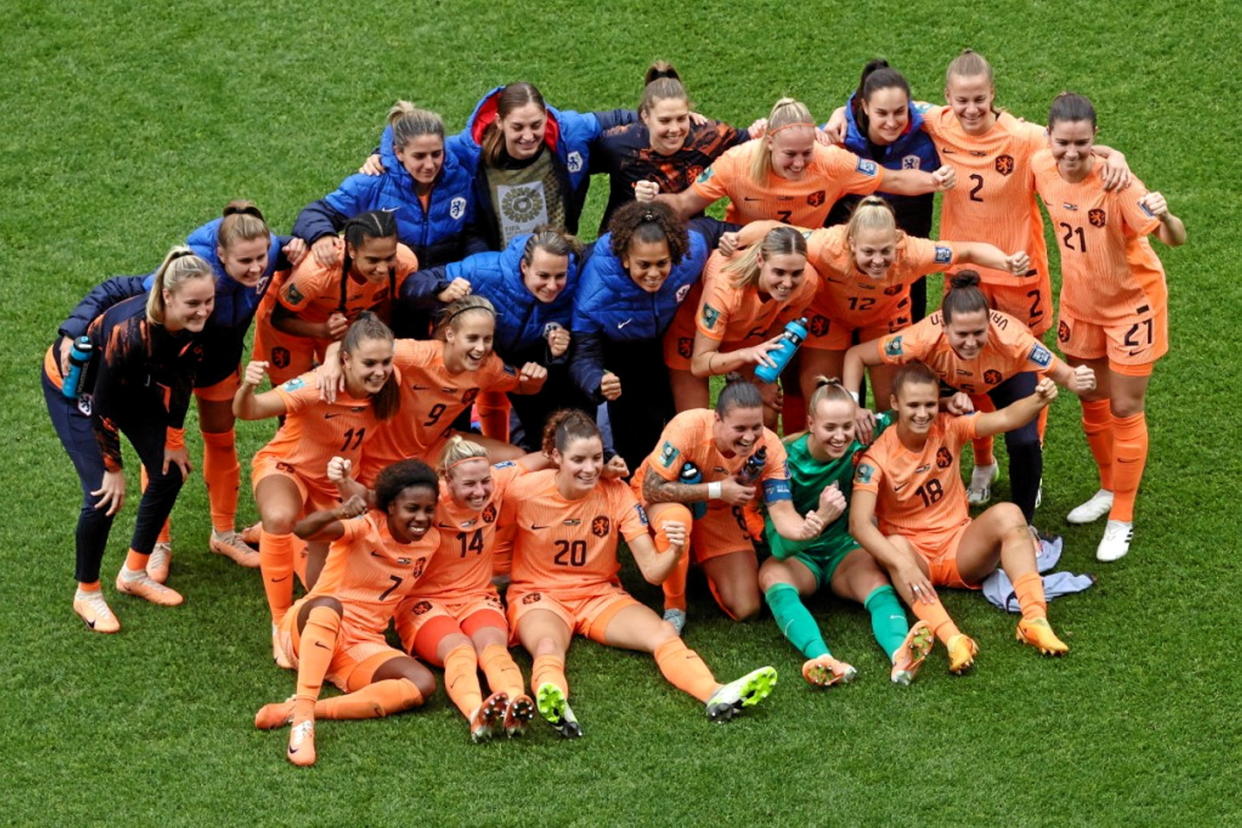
x=1040, y=355
x=293, y=294
x=1096, y=217
x=703, y=176
x=819, y=324
x=893, y=290
x=992, y=376
x=816, y=198
x=294, y=384
x=865, y=472
x=422, y=608
x=457, y=208
x=710, y=315
x=865, y=166
x=893, y=348
x=668, y=454
x=1004, y=164
x=489, y=514
x=86, y=405
x=419, y=566
x=574, y=161
x=469, y=395
x=943, y=254
x=944, y=458
x=681, y=294
x=685, y=347
x=280, y=357
x=911, y=162
x=600, y=526
x=532, y=598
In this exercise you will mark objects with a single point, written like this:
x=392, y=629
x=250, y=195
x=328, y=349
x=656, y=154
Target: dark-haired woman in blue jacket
x=637, y=276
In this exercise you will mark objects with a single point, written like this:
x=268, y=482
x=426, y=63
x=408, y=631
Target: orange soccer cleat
x=911, y=654
x=962, y=652
x=1038, y=633
x=826, y=671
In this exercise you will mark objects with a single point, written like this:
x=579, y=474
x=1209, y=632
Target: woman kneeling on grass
x=821, y=467
x=566, y=524
x=908, y=509
x=336, y=631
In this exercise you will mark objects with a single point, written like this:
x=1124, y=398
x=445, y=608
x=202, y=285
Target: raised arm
x=247, y=405
x=656, y=567
x=987, y=255
x=325, y=524
x=1171, y=230
x=1018, y=413
x=917, y=182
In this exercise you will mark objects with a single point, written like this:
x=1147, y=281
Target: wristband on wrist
x=714, y=490
x=174, y=438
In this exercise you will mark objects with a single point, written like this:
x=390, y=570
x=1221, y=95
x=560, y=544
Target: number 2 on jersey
x=570, y=553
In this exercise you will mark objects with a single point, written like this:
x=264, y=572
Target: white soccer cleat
x=1116, y=541
x=677, y=618
x=1091, y=511
x=980, y=489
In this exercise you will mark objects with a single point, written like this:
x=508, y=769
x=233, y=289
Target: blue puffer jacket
x=520, y=318
x=235, y=303
x=611, y=307
x=569, y=136
x=437, y=234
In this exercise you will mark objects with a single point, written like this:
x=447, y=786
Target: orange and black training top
x=140, y=373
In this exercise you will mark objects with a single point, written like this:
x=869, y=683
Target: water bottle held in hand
x=753, y=467
x=690, y=475
x=795, y=331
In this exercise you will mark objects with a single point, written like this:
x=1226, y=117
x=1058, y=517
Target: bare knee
x=547, y=646
x=771, y=574
x=278, y=521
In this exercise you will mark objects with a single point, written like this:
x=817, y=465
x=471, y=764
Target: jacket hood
x=485, y=113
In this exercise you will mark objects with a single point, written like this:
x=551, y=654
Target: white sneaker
x=980, y=489
x=1116, y=541
x=677, y=618
x=1094, y=509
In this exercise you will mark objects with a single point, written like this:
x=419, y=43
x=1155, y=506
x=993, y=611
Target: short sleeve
x=713, y=315
x=672, y=452
x=304, y=285
x=960, y=430
x=713, y=182
x=353, y=530
x=298, y=392
x=860, y=176
x=927, y=256
x=868, y=473
x=497, y=376
x=1138, y=219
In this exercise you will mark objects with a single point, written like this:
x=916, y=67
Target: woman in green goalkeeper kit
x=821, y=468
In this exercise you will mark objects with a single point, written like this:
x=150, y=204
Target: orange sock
x=165, y=535
x=549, y=668
x=383, y=698
x=675, y=585
x=222, y=474
x=1129, y=458
x=93, y=586
x=685, y=670
x=983, y=446
x=1097, y=424
x=1030, y=591
x=461, y=679
x=937, y=618
x=501, y=670
x=136, y=561
x=493, y=410
x=276, y=566
x=315, y=652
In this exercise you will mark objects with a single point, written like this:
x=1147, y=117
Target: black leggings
x=645, y=406
x=1026, y=455
x=146, y=434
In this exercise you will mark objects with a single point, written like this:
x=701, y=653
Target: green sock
x=888, y=619
x=795, y=620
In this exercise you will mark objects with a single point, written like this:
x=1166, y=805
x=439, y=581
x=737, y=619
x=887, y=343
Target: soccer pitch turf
x=127, y=125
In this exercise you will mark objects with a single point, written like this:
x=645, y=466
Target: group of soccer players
x=468, y=397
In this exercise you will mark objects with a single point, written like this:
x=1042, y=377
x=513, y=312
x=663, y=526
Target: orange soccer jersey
x=688, y=438
x=831, y=173
x=994, y=200
x=463, y=564
x=369, y=571
x=431, y=398
x=568, y=548
x=1011, y=349
x=313, y=433
x=1109, y=272
x=918, y=493
x=741, y=316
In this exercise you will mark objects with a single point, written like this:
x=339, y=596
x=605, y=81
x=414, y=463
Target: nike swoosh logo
x=91, y=624
x=375, y=554
x=533, y=526
x=1136, y=353
x=278, y=580
x=322, y=645
x=621, y=325
x=900, y=486
x=749, y=198
x=420, y=387
x=330, y=416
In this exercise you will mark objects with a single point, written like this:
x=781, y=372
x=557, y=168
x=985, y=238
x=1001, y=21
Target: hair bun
x=965, y=278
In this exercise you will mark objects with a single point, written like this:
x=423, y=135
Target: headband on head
x=791, y=126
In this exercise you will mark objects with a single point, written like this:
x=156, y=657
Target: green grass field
x=127, y=125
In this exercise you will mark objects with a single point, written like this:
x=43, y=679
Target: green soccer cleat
x=554, y=708
x=747, y=691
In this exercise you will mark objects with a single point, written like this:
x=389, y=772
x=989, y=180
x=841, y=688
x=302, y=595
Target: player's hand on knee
x=179, y=458
x=917, y=583
x=111, y=492
x=675, y=531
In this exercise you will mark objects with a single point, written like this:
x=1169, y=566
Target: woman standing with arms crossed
x=1114, y=305
x=145, y=354
x=566, y=524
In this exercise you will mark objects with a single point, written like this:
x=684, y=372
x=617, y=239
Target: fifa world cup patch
x=893, y=348
x=865, y=472
x=668, y=454
x=710, y=315
x=642, y=513
x=1146, y=210
x=706, y=174
x=943, y=255
x=293, y=384
x=1040, y=355
x=865, y=166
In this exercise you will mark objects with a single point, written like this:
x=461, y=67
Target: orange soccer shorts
x=357, y=656
x=827, y=334
x=585, y=616
x=939, y=550
x=315, y=494
x=423, y=622
x=722, y=531
x=222, y=391
x=1132, y=346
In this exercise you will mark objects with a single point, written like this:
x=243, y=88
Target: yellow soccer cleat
x=826, y=671
x=1038, y=633
x=911, y=654
x=962, y=652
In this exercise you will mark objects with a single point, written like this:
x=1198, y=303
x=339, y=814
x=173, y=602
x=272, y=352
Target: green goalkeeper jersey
x=807, y=478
